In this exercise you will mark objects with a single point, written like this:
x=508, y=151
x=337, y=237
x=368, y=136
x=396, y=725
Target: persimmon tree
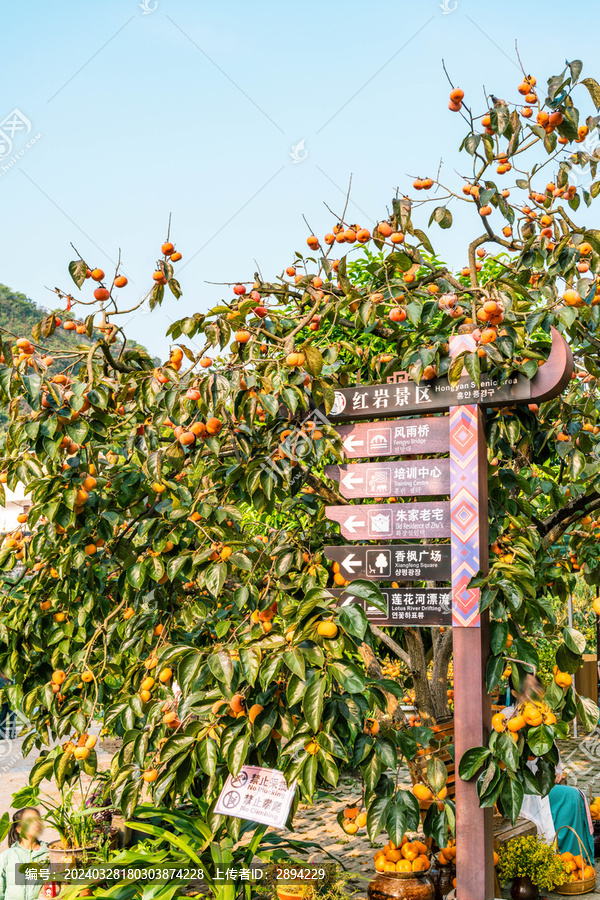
x=177, y=523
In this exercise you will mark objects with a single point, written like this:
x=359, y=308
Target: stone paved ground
x=318, y=823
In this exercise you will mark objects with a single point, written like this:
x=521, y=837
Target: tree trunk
x=431, y=698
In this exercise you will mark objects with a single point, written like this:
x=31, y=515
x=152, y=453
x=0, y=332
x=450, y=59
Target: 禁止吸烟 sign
x=257, y=794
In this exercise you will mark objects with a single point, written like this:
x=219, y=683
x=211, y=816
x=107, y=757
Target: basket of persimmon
x=582, y=875
x=404, y=858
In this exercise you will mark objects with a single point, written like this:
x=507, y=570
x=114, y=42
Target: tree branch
x=392, y=645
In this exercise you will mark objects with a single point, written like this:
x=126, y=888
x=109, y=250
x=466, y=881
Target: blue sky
x=194, y=108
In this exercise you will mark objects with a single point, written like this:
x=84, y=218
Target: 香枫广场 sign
x=393, y=562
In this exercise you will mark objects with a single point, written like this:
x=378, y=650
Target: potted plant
x=84, y=828
x=531, y=865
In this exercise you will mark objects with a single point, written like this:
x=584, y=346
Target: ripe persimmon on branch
x=177, y=510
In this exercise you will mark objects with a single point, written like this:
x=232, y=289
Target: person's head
x=26, y=825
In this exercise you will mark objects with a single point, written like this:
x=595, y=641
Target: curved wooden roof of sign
x=553, y=377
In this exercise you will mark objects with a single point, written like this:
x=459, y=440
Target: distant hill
x=19, y=314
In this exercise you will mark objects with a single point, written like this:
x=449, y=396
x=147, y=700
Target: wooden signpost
x=463, y=518
x=393, y=562
x=402, y=520
x=405, y=606
x=427, y=435
x=420, y=477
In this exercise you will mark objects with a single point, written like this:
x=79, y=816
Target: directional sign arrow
x=354, y=524
x=352, y=443
x=393, y=562
x=350, y=563
x=401, y=520
x=416, y=478
x=351, y=479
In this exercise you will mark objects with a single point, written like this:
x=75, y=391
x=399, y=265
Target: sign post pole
x=470, y=635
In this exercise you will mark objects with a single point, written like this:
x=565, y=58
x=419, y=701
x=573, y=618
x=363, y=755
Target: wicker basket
x=585, y=885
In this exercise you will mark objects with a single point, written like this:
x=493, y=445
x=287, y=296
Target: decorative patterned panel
x=464, y=503
x=464, y=513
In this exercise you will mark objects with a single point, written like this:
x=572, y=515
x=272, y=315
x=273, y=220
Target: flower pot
x=523, y=888
x=401, y=886
x=69, y=856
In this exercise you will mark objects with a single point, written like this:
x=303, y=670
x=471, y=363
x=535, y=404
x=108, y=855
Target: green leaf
x=511, y=797
x=395, y=822
x=367, y=590
x=575, y=67
x=214, y=578
x=175, y=288
x=312, y=704
x=349, y=676
x=237, y=752
x=506, y=750
x=442, y=216
x=250, y=660
x=567, y=661
x=456, y=368
x=386, y=751
x=574, y=640
x=540, y=739
x=472, y=760
x=472, y=366
x=221, y=666
x=136, y=575
x=371, y=772
x=498, y=636
x=434, y=825
x=437, y=774
x=354, y=620
x=493, y=672
x=376, y=816
x=588, y=712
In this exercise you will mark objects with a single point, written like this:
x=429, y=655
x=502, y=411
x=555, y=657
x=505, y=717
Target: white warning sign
x=256, y=794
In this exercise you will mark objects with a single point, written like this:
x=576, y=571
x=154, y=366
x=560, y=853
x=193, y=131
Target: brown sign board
x=393, y=562
x=392, y=520
x=396, y=438
x=401, y=395
x=420, y=477
x=405, y=606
